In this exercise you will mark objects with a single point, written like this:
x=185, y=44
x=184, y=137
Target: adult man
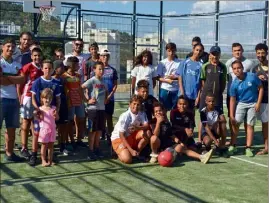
x=9, y=103
x=204, y=56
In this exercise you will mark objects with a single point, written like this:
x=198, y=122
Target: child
x=88, y=64
x=182, y=127
x=262, y=72
x=144, y=70
x=246, y=91
x=30, y=72
x=43, y=82
x=166, y=75
x=75, y=97
x=97, y=90
x=131, y=133
x=161, y=131
x=47, y=133
x=63, y=112
x=213, y=128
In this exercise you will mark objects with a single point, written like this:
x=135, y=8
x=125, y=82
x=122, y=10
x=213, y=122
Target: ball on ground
x=165, y=158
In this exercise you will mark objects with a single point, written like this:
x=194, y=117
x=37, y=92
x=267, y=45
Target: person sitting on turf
x=131, y=133
x=213, y=128
x=246, y=96
x=182, y=128
x=161, y=130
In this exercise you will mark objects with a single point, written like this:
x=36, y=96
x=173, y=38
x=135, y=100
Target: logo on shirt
x=178, y=118
x=249, y=84
x=186, y=119
x=208, y=70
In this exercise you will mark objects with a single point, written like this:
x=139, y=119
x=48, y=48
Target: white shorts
x=27, y=108
x=263, y=113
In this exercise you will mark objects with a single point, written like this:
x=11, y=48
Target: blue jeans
x=168, y=98
x=10, y=112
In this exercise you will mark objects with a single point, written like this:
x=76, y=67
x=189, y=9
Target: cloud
x=171, y=13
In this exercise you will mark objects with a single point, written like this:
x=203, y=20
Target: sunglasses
x=77, y=44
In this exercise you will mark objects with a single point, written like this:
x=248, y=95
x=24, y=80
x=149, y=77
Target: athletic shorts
x=183, y=137
x=79, y=111
x=165, y=143
x=168, y=98
x=109, y=108
x=263, y=113
x=63, y=114
x=27, y=108
x=217, y=136
x=96, y=120
x=245, y=113
x=10, y=112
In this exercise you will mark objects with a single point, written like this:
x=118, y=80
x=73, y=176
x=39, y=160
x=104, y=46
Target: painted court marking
x=251, y=162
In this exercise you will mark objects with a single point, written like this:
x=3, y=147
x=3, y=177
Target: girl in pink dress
x=47, y=133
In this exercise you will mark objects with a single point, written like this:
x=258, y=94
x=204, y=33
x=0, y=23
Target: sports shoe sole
x=208, y=158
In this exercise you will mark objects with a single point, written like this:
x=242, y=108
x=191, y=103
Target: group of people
x=75, y=94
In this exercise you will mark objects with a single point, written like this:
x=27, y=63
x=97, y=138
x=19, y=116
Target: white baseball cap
x=104, y=52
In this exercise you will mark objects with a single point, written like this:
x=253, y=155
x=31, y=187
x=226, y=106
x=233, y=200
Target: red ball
x=165, y=158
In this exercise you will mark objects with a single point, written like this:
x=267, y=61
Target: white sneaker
x=206, y=157
x=154, y=158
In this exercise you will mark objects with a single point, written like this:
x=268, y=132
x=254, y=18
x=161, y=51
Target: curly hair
x=138, y=59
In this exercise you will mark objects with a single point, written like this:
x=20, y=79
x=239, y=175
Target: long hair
x=138, y=59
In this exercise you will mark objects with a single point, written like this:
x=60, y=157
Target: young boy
x=63, y=112
x=88, y=64
x=161, y=131
x=75, y=97
x=30, y=72
x=45, y=81
x=97, y=90
x=212, y=127
x=182, y=127
x=246, y=91
x=131, y=133
x=262, y=72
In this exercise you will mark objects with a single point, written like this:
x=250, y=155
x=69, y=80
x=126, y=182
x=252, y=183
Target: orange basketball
x=165, y=158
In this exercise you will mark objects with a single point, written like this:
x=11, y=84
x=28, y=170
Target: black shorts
x=165, y=143
x=63, y=114
x=217, y=136
x=96, y=120
x=183, y=137
x=191, y=104
x=109, y=108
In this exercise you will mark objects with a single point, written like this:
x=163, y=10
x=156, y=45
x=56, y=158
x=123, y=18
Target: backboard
x=33, y=6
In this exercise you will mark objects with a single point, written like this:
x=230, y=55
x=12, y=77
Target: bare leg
x=250, y=134
x=10, y=140
x=91, y=139
x=43, y=154
x=180, y=149
x=97, y=139
x=25, y=126
x=109, y=121
x=265, y=138
x=50, y=153
x=125, y=156
x=155, y=144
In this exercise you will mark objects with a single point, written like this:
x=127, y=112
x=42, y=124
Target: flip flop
x=262, y=152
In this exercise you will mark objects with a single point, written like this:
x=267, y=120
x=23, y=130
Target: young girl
x=47, y=133
x=144, y=70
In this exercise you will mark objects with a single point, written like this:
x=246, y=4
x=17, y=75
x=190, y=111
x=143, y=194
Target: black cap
x=58, y=64
x=215, y=49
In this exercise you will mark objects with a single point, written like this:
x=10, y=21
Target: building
x=72, y=25
x=9, y=28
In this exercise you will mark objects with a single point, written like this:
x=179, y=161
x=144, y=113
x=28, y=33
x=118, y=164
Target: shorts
x=217, y=136
x=168, y=98
x=263, y=113
x=46, y=135
x=132, y=140
x=96, y=120
x=245, y=112
x=191, y=104
x=109, y=108
x=10, y=112
x=165, y=143
x=63, y=114
x=183, y=137
x=79, y=111
x=27, y=108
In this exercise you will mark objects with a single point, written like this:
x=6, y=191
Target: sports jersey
x=147, y=106
x=208, y=117
x=246, y=90
x=13, y=68
x=126, y=120
x=190, y=72
x=60, y=83
x=31, y=72
x=88, y=68
x=263, y=70
x=40, y=84
x=72, y=89
x=166, y=68
x=203, y=58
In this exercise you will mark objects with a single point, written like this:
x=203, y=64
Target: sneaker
x=232, y=150
x=249, y=152
x=13, y=158
x=154, y=158
x=32, y=160
x=81, y=144
x=25, y=153
x=206, y=157
x=91, y=156
x=98, y=153
x=65, y=152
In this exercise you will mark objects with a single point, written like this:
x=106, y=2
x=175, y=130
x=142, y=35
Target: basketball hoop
x=47, y=12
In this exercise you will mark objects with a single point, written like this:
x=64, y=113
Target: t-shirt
x=110, y=75
x=263, y=70
x=126, y=120
x=22, y=58
x=246, y=90
x=13, y=68
x=144, y=73
x=40, y=84
x=190, y=72
x=60, y=83
x=203, y=58
x=82, y=58
x=31, y=72
x=88, y=68
x=165, y=129
x=147, y=106
x=248, y=67
x=166, y=68
x=72, y=89
x=208, y=117
x=96, y=89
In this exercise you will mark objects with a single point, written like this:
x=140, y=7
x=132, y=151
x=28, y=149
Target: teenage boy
x=9, y=104
x=246, y=94
x=98, y=91
x=30, y=72
x=59, y=54
x=89, y=64
x=262, y=72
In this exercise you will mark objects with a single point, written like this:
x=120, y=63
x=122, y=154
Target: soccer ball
x=173, y=151
x=166, y=158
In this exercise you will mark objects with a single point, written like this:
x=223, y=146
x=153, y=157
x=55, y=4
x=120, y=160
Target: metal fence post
x=265, y=37
x=161, y=29
x=217, y=23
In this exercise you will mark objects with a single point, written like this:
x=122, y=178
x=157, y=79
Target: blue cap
x=215, y=49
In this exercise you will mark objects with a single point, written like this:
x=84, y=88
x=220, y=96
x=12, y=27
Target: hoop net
x=47, y=12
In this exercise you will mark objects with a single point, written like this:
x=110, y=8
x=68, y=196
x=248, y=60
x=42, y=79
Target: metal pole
x=134, y=28
x=217, y=23
x=79, y=22
x=161, y=29
x=265, y=31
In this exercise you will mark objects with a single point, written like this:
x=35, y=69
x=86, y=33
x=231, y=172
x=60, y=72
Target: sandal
x=262, y=152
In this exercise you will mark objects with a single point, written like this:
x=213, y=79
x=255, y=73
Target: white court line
x=263, y=165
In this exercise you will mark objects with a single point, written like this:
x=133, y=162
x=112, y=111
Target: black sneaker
x=25, y=153
x=13, y=158
x=98, y=153
x=32, y=160
x=81, y=144
x=91, y=156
